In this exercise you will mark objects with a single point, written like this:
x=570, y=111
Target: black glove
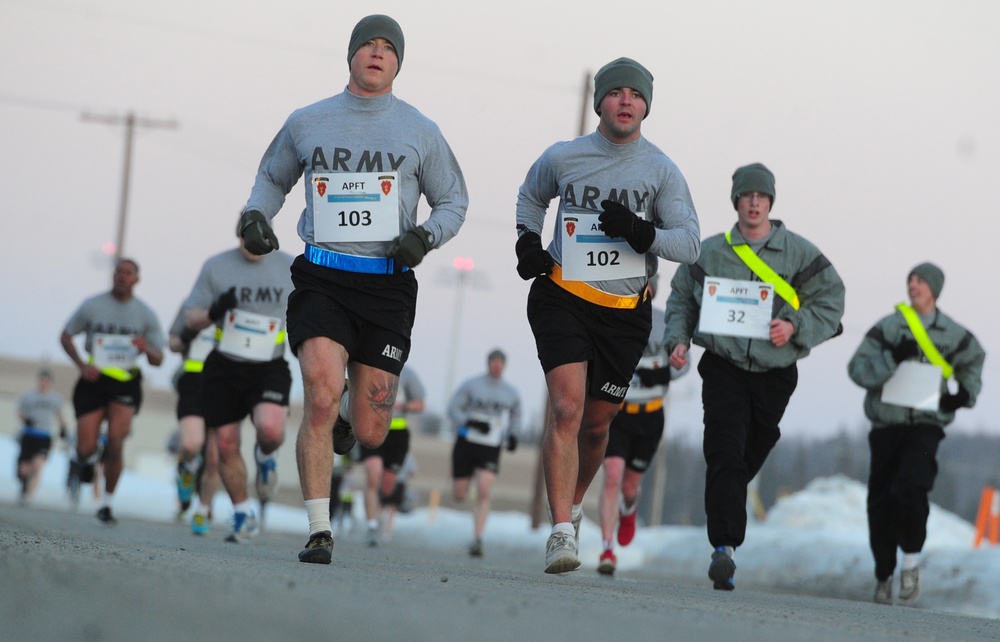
x=258, y=237
x=481, y=426
x=618, y=221
x=410, y=248
x=511, y=443
x=951, y=403
x=907, y=349
x=532, y=259
x=650, y=377
x=226, y=301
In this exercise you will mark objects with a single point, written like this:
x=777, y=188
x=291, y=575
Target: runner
x=244, y=295
x=119, y=329
x=487, y=412
x=40, y=411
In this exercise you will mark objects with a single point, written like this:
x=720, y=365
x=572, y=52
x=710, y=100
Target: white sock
x=576, y=511
x=910, y=561
x=318, y=511
x=625, y=510
x=345, y=407
x=203, y=509
x=107, y=499
x=373, y=524
x=607, y=544
x=563, y=527
x=246, y=506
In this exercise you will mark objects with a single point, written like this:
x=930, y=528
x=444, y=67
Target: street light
x=463, y=266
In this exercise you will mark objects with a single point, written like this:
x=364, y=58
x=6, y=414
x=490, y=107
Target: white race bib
x=355, y=207
x=589, y=255
x=736, y=308
x=249, y=336
x=114, y=351
x=491, y=438
x=202, y=344
x=914, y=385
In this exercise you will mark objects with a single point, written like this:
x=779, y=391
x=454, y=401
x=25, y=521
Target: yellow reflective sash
x=757, y=265
x=924, y=341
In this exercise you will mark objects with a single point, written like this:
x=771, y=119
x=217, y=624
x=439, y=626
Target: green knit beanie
x=932, y=274
x=753, y=178
x=376, y=26
x=623, y=72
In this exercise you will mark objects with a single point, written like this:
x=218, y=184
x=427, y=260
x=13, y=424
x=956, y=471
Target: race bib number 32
x=355, y=207
x=736, y=308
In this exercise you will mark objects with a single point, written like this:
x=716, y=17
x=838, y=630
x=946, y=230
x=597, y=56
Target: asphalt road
x=63, y=576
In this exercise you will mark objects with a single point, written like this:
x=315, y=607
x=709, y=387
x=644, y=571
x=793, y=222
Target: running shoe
x=722, y=569
x=200, y=524
x=267, y=479
x=372, y=537
x=561, y=553
x=476, y=548
x=245, y=527
x=343, y=436
x=607, y=564
x=626, y=526
x=185, y=486
x=105, y=517
x=883, y=591
x=576, y=528
x=319, y=549
x=909, y=586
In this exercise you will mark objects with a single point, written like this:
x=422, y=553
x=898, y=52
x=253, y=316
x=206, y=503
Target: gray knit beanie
x=376, y=26
x=753, y=178
x=623, y=72
x=932, y=274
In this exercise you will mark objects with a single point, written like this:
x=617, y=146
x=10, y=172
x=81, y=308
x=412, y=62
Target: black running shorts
x=568, y=329
x=635, y=438
x=371, y=315
x=33, y=446
x=231, y=389
x=392, y=451
x=189, y=398
x=89, y=396
x=466, y=457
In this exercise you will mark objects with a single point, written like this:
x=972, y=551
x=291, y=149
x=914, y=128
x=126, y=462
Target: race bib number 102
x=590, y=255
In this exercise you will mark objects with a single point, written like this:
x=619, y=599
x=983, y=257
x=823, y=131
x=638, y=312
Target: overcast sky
x=879, y=120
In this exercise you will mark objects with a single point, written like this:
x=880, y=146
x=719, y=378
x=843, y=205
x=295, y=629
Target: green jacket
x=820, y=291
x=872, y=365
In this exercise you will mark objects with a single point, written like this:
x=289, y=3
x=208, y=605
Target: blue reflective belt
x=350, y=262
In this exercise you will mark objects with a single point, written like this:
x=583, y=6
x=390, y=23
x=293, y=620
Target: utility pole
x=131, y=122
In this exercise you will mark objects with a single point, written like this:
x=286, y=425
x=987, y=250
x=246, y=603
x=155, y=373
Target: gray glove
x=258, y=237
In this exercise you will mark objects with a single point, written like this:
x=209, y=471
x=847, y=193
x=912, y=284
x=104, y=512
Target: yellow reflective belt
x=118, y=374
x=764, y=272
x=398, y=423
x=592, y=294
x=278, y=340
x=636, y=408
x=924, y=341
x=193, y=365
